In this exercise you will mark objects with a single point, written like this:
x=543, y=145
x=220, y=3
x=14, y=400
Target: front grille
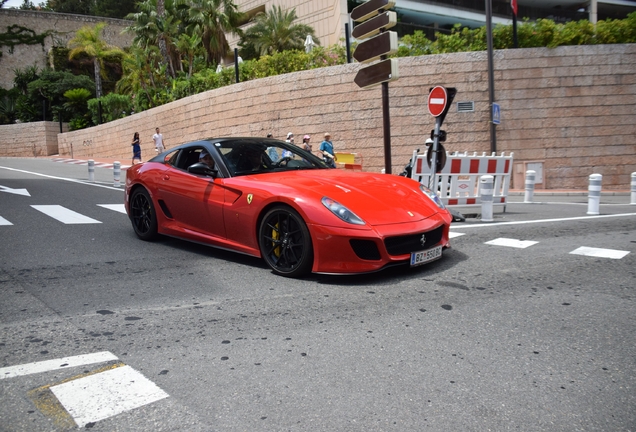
x=365, y=249
x=401, y=245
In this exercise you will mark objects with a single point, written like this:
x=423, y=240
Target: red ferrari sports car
x=271, y=199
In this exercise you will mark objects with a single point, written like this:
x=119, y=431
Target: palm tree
x=88, y=40
x=211, y=19
x=157, y=23
x=274, y=31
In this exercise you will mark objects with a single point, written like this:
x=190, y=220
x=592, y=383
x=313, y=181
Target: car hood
x=377, y=198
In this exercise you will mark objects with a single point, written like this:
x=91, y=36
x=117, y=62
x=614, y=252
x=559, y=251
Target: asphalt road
x=501, y=334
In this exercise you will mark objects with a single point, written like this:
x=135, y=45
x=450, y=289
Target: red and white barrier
x=459, y=180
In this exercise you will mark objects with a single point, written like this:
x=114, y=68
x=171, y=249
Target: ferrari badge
x=249, y=198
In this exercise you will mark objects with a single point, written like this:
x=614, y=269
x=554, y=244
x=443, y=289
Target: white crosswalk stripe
x=92, y=397
x=64, y=215
x=600, y=253
x=68, y=216
x=121, y=208
x=106, y=394
x=507, y=242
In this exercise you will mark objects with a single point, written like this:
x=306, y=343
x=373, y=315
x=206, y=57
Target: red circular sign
x=437, y=99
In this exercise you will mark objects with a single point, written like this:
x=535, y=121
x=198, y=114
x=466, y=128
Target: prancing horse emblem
x=423, y=239
x=249, y=198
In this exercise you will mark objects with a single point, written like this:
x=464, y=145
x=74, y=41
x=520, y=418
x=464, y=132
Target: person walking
x=306, y=143
x=136, y=146
x=326, y=148
x=158, y=139
x=289, y=140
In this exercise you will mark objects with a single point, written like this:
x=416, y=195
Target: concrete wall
x=570, y=109
x=30, y=139
x=63, y=27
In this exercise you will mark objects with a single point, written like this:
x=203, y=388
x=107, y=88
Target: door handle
x=166, y=177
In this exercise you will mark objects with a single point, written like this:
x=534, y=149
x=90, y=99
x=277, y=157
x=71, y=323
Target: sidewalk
x=108, y=163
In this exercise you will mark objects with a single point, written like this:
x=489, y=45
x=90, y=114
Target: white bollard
x=116, y=173
x=633, y=199
x=594, y=194
x=486, y=192
x=91, y=170
x=530, y=177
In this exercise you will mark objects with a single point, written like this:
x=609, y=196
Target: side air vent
x=164, y=209
x=466, y=106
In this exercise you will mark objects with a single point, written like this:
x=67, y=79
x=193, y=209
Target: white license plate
x=419, y=258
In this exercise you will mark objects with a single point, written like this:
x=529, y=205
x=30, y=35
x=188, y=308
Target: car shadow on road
x=387, y=276
x=395, y=274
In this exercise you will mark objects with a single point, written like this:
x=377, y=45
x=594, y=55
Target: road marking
x=3, y=221
x=51, y=365
x=121, y=208
x=63, y=178
x=22, y=192
x=106, y=394
x=599, y=253
x=455, y=234
x=508, y=242
x=540, y=221
x=64, y=215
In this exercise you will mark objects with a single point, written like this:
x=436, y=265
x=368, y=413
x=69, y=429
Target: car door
x=195, y=202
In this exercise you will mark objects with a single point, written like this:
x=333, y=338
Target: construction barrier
x=458, y=181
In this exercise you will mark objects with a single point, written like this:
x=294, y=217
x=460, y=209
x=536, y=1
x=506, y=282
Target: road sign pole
x=438, y=125
x=386, y=120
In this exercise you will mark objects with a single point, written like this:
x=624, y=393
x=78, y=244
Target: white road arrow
x=23, y=192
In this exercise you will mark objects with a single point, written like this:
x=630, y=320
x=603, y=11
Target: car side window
x=173, y=159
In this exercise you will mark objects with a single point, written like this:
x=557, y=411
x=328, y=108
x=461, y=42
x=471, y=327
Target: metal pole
x=433, y=177
x=348, y=42
x=515, y=39
x=386, y=121
x=491, y=76
x=236, y=64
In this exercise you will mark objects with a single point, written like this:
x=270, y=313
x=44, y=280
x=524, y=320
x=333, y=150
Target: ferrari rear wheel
x=285, y=242
x=142, y=214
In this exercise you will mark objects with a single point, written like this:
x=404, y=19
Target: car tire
x=285, y=242
x=143, y=215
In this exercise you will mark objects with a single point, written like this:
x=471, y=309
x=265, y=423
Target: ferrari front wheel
x=285, y=242
x=142, y=214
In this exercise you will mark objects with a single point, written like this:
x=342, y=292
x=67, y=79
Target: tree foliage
x=530, y=34
x=88, y=41
x=273, y=32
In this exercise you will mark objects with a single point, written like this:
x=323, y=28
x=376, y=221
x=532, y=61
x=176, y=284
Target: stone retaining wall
x=30, y=139
x=570, y=110
x=63, y=28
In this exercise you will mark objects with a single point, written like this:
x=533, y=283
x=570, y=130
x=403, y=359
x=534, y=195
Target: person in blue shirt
x=326, y=148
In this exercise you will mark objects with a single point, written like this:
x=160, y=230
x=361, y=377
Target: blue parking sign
x=496, y=113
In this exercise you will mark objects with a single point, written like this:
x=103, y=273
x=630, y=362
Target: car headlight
x=433, y=196
x=341, y=211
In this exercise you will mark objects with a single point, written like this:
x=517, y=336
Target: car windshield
x=255, y=156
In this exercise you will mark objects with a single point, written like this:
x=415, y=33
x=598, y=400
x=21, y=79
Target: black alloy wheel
x=285, y=242
x=142, y=214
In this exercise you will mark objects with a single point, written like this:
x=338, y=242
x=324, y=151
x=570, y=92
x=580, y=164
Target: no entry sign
x=437, y=100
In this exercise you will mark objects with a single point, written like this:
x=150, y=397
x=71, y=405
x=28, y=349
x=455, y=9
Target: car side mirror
x=203, y=169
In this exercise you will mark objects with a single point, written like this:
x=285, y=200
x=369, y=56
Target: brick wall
x=63, y=27
x=572, y=109
x=30, y=139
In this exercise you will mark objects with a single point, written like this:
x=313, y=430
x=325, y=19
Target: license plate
x=419, y=258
